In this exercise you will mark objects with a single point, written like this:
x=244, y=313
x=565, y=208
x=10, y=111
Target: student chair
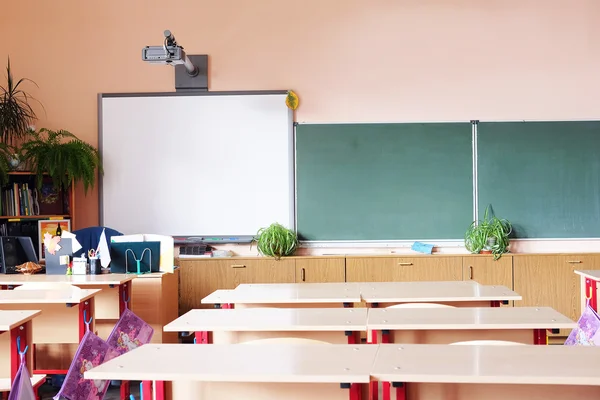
x=89, y=237
x=488, y=342
x=47, y=286
x=291, y=340
x=420, y=305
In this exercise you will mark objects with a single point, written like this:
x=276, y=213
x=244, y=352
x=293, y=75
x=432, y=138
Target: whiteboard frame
x=291, y=149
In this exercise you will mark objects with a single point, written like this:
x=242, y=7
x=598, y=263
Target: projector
x=161, y=55
x=169, y=53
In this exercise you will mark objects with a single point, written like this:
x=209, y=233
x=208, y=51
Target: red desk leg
x=19, y=334
x=159, y=390
x=400, y=391
x=540, y=336
x=124, y=303
x=147, y=390
x=355, y=391
x=373, y=385
x=590, y=293
x=495, y=304
x=202, y=337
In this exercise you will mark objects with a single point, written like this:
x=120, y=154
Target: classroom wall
x=348, y=60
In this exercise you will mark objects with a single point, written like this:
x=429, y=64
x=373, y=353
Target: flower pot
x=484, y=251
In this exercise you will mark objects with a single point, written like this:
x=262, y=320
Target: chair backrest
x=420, y=305
x=47, y=286
x=489, y=343
x=290, y=340
x=89, y=237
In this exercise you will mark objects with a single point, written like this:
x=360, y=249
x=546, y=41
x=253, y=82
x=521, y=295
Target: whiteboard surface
x=190, y=165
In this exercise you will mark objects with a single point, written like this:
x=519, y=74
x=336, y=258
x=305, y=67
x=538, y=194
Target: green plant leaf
x=276, y=241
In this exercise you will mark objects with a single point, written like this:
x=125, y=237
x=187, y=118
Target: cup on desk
x=95, y=268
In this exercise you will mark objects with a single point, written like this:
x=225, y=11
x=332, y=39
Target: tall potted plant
x=16, y=114
x=490, y=235
x=63, y=156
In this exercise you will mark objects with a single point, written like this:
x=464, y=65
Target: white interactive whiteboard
x=196, y=164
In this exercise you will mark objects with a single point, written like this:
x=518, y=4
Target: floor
x=48, y=391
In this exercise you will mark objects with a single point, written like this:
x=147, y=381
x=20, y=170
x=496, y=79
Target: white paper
x=127, y=238
x=167, y=250
x=75, y=245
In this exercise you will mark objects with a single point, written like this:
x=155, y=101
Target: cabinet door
x=431, y=268
x=266, y=270
x=403, y=269
x=317, y=270
x=550, y=281
x=370, y=269
x=485, y=271
x=199, y=278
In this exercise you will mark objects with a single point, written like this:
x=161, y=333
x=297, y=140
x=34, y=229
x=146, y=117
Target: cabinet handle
x=574, y=262
x=470, y=272
x=303, y=274
x=238, y=266
x=405, y=263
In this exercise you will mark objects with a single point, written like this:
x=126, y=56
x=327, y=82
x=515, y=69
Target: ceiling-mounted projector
x=169, y=53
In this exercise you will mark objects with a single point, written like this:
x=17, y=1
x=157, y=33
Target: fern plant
x=491, y=233
x=63, y=156
x=276, y=241
x=16, y=114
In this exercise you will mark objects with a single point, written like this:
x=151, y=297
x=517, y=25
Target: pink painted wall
x=349, y=60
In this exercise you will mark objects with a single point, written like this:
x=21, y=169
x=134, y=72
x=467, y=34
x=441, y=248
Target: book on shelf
x=19, y=199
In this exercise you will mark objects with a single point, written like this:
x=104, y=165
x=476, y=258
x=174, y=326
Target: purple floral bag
x=130, y=332
x=21, y=388
x=92, y=351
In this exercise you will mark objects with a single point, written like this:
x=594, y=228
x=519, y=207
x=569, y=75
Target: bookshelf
x=23, y=204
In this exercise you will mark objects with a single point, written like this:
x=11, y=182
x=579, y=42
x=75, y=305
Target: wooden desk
x=109, y=303
x=526, y=325
x=228, y=372
x=332, y=325
x=589, y=280
x=315, y=295
x=61, y=319
x=442, y=372
x=455, y=293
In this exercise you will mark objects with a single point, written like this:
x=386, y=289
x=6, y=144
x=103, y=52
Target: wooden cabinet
x=485, y=271
x=315, y=270
x=403, y=269
x=199, y=278
x=549, y=280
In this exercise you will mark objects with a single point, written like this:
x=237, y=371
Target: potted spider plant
x=276, y=241
x=489, y=235
x=16, y=114
x=62, y=156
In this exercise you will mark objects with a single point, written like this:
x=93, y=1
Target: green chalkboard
x=384, y=181
x=542, y=176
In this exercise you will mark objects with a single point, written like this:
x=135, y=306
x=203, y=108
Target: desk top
x=287, y=293
x=406, y=292
x=468, y=318
x=271, y=319
x=43, y=296
x=527, y=364
x=80, y=280
x=285, y=363
x=589, y=273
x=12, y=318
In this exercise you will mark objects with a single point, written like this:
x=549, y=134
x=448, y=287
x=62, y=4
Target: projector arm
x=190, y=71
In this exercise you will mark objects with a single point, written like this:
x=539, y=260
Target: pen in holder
x=138, y=261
